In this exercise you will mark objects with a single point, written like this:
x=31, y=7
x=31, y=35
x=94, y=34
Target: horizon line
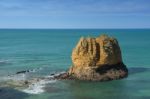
x=68, y=28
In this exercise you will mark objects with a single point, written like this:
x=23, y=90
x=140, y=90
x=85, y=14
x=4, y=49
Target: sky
x=75, y=14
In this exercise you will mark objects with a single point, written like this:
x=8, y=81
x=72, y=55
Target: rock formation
x=94, y=59
x=97, y=59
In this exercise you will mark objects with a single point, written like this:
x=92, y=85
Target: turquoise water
x=51, y=50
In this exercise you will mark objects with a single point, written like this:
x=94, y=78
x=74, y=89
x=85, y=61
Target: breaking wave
x=38, y=87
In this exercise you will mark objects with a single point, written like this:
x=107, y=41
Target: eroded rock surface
x=97, y=59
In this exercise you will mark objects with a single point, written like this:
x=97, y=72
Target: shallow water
x=49, y=51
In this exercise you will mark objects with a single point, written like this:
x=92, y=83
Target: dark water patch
x=140, y=81
x=8, y=93
x=143, y=97
x=50, y=89
x=85, y=97
x=135, y=70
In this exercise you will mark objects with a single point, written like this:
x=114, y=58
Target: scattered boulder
x=22, y=72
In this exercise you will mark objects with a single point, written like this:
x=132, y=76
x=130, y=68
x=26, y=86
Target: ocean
x=47, y=51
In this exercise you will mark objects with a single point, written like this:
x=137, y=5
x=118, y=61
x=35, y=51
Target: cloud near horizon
x=73, y=7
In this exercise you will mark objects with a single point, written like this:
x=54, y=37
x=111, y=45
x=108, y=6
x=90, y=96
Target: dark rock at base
x=52, y=74
x=22, y=72
x=105, y=73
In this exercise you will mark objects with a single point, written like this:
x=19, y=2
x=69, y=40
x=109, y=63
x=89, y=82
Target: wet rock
x=22, y=72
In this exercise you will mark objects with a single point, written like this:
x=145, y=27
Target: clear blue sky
x=74, y=13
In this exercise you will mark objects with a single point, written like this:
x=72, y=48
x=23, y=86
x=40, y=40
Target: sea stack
x=97, y=59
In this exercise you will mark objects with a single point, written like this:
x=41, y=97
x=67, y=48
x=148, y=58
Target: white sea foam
x=20, y=76
x=16, y=77
x=35, y=70
x=55, y=74
x=4, y=61
x=38, y=87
